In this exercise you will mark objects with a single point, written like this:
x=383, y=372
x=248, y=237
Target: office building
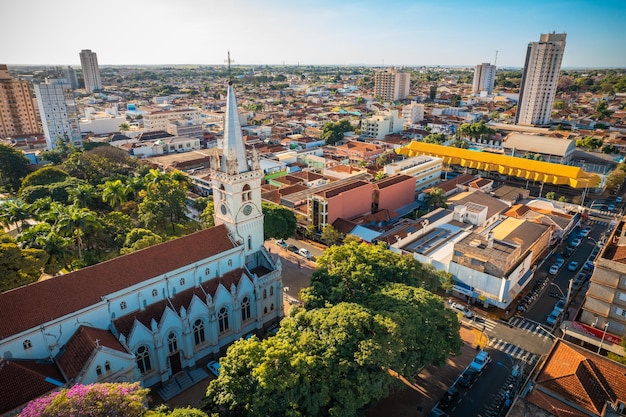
x=91, y=71
x=18, y=116
x=484, y=78
x=58, y=112
x=539, y=79
x=391, y=85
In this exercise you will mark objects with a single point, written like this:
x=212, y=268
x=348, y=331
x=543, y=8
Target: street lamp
x=558, y=288
x=606, y=326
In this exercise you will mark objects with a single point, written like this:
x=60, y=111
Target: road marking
x=512, y=350
x=529, y=326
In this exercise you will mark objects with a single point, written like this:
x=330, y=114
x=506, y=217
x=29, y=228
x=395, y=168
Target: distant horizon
x=312, y=32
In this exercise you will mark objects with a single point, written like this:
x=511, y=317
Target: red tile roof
x=81, y=345
x=31, y=305
x=21, y=381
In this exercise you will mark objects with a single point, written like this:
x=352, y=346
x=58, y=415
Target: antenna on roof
x=495, y=61
x=229, y=61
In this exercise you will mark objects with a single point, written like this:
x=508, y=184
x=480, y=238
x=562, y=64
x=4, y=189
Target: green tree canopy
x=13, y=168
x=330, y=235
x=138, y=239
x=45, y=176
x=278, y=222
x=436, y=138
x=435, y=198
x=332, y=132
x=19, y=266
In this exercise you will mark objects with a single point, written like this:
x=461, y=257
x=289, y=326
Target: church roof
x=81, y=345
x=31, y=305
x=233, y=140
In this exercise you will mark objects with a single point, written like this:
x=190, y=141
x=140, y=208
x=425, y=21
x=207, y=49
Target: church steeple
x=233, y=149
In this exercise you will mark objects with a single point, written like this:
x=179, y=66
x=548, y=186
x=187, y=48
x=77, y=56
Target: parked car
x=449, y=397
x=437, y=412
x=560, y=262
x=576, y=241
x=553, y=317
x=305, y=253
x=481, y=360
x=292, y=248
x=462, y=309
x=281, y=243
x=214, y=367
x=611, y=206
x=560, y=306
x=572, y=266
x=588, y=266
x=468, y=377
x=619, y=200
x=569, y=251
x=554, y=269
x=585, y=232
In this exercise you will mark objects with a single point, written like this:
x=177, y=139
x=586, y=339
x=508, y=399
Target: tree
x=124, y=127
x=435, y=198
x=14, y=212
x=278, y=222
x=138, y=239
x=82, y=195
x=436, y=138
x=41, y=236
x=602, y=110
x=332, y=132
x=13, y=167
x=18, y=266
x=76, y=222
x=208, y=214
x=330, y=235
x=115, y=193
x=551, y=195
x=44, y=176
x=615, y=180
x=165, y=200
x=96, y=400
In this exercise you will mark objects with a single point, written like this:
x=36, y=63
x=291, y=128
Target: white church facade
x=151, y=314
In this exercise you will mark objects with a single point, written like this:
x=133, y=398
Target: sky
x=309, y=32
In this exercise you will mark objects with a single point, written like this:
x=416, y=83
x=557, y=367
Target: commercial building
x=91, y=71
x=425, y=169
x=382, y=124
x=160, y=120
x=18, y=116
x=392, y=85
x=484, y=78
x=540, y=79
x=58, y=112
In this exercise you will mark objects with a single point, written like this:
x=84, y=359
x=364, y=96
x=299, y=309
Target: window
x=272, y=307
x=265, y=310
x=172, y=344
x=98, y=370
x=246, y=193
x=264, y=293
x=249, y=242
x=271, y=291
x=155, y=293
x=123, y=305
x=107, y=366
x=245, y=309
x=198, y=332
x=27, y=344
x=222, y=319
x=207, y=271
x=182, y=281
x=230, y=262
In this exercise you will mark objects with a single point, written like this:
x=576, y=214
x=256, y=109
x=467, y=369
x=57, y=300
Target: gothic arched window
x=246, y=194
x=172, y=343
x=198, y=332
x=222, y=319
x=245, y=309
x=143, y=359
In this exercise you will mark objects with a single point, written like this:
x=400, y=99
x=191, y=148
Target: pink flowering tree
x=96, y=400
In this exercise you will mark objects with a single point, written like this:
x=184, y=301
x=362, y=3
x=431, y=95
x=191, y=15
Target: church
x=152, y=314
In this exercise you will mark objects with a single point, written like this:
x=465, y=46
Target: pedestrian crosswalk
x=482, y=323
x=512, y=350
x=530, y=326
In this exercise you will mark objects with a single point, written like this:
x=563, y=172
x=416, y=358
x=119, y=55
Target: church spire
x=233, y=149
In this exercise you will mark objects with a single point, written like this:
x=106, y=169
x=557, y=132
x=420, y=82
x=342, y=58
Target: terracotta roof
x=21, y=381
x=581, y=378
x=31, y=305
x=342, y=188
x=392, y=180
x=81, y=345
x=343, y=226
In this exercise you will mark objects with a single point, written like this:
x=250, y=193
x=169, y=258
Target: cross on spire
x=229, y=61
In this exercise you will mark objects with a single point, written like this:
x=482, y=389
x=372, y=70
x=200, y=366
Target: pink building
x=393, y=192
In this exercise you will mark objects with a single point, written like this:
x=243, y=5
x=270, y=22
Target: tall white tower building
x=58, y=112
x=539, y=80
x=391, y=85
x=91, y=71
x=484, y=78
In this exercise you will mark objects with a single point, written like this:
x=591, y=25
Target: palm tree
x=75, y=221
x=14, y=212
x=82, y=195
x=436, y=198
x=115, y=193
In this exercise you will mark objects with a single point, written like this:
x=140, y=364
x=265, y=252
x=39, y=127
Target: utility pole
x=569, y=293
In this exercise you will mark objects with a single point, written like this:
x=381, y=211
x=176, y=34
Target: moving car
x=214, y=367
x=572, y=266
x=462, y=309
x=481, y=360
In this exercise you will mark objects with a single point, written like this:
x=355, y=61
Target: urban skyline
x=400, y=32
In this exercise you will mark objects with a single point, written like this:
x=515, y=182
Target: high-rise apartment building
x=18, y=116
x=391, y=85
x=539, y=80
x=484, y=78
x=91, y=71
x=58, y=112
x=412, y=113
x=70, y=76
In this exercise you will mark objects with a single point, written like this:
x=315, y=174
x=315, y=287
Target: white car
x=554, y=269
x=481, y=360
x=462, y=309
x=305, y=253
